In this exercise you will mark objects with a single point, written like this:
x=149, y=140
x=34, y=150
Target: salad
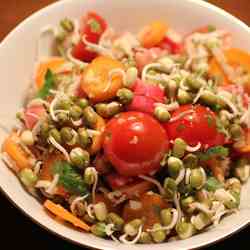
x=138, y=138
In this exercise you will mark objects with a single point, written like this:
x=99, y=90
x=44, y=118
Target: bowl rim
x=35, y=15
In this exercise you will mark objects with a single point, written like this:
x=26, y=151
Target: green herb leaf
x=69, y=178
x=212, y=184
x=49, y=83
x=218, y=151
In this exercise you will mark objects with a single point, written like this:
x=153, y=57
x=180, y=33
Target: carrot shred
x=62, y=213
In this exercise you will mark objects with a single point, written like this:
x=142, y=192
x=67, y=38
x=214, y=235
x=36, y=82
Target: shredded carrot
x=62, y=213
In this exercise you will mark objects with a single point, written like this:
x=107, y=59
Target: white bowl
x=17, y=55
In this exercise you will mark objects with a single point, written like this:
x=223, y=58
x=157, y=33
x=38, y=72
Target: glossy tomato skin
x=197, y=125
x=93, y=27
x=135, y=143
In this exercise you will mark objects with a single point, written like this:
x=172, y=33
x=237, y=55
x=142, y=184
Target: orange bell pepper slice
x=53, y=63
x=96, y=82
x=235, y=57
x=65, y=215
x=16, y=152
x=151, y=35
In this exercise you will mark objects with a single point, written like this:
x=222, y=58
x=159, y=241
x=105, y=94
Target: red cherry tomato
x=195, y=124
x=32, y=115
x=135, y=143
x=116, y=181
x=93, y=27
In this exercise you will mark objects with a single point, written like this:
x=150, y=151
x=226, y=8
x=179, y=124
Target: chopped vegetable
x=69, y=178
x=49, y=83
x=63, y=214
x=212, y=184
x=152, y=34
x=96, y=80
x=16, y=152
x=51, y=66
x=217, y=151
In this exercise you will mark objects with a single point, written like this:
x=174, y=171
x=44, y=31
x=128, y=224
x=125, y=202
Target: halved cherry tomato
x=235, y=58
x=197, y=125
x=149, y=211
x=131, y=146
x=93, y=27
x=32, y=115
x=152, y=34
x=53, y=63
x=16, y=152
x=116, y=180
x=96, y=82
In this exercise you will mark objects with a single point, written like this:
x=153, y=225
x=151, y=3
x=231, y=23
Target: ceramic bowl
x=17, y=57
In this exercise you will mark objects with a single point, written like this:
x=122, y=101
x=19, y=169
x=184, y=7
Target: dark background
x=19, y=231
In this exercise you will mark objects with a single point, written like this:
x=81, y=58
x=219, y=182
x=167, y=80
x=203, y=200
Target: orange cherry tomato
x=152, y=34
x=235, y=58
x=96, y=82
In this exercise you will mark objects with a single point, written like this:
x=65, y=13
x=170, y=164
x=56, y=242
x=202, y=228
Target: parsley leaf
x=69, y=178
x=49, y=83
x=212, y=184
x=214, y=152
